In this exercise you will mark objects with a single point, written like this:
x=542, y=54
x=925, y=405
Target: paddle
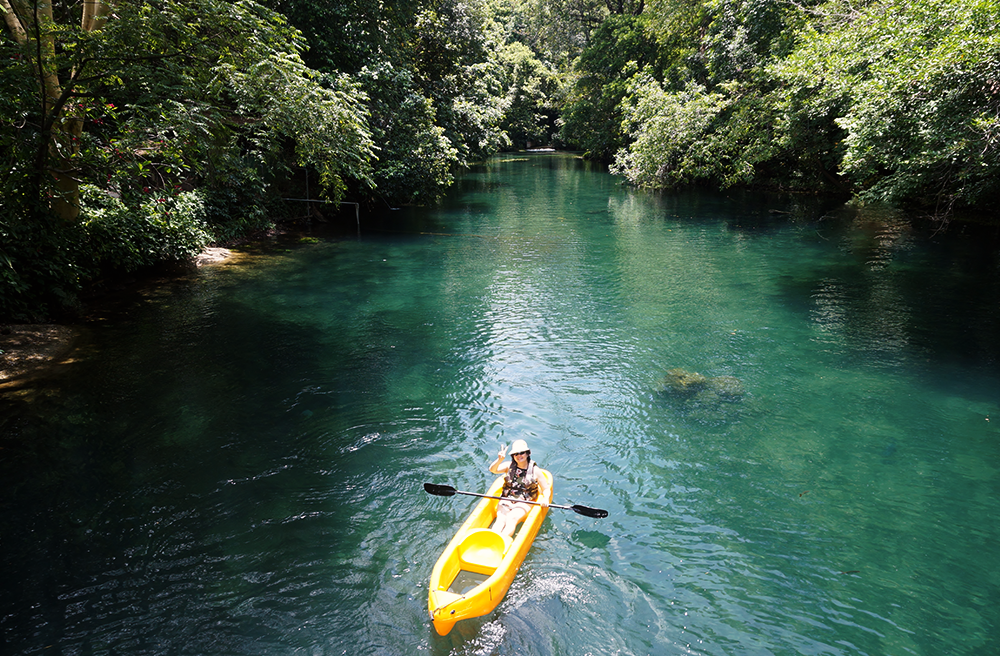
x=449, y=491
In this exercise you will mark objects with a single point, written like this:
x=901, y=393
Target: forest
x=139, y=132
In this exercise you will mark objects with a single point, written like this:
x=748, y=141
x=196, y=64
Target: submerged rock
x=728, y=387
x=692, y=385
x=681, y=381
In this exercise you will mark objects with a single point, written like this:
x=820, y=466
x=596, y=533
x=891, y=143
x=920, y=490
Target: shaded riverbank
x=27, y=350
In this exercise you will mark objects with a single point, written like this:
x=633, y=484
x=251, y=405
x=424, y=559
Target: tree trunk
x=32, y=25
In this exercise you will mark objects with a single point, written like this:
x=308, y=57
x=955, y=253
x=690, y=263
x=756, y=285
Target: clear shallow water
x=233, y=464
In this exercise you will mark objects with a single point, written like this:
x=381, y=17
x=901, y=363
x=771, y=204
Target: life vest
x=521, y=483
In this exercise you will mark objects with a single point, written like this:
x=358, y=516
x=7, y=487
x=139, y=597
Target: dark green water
x=233, y=464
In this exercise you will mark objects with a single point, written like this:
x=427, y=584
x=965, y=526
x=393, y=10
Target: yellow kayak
x=478, y=565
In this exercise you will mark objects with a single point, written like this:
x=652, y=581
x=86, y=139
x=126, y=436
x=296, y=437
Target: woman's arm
x=543, y=490
x=499, y=466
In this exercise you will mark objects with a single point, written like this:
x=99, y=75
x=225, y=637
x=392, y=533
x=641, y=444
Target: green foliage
x=922, y=111
x=201, y=93
x=17, y=145
x=241, y=205
x=456, y=69
x=670, y=131
x=746, y=133
x=39, y=273
x=592, y=114
x=533, y=89
x=434, y=97
x=447, y=83
x=556, y=30
x=327, y=125
x=742, y=34
x=175, y=92
x=477, y=115
x=145, y=229
x=348, y=35
x=713, y=115
x=679, y=27
x=415, y=157
x=447, y=35
x=895, y=101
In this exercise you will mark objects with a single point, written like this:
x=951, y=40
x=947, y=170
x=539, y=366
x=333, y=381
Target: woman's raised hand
x=503, y=452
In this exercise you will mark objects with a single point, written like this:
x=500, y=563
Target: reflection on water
x=234, y=463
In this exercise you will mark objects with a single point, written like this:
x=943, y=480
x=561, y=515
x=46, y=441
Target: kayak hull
x=477, y=567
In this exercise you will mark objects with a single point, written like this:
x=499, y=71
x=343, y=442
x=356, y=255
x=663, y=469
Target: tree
x=60, y=78
x=671, y=134
x=416, y=159
x=719, y=114
x=920, y=103
x=348, y=35
x=425, y=69
x=889, y=100
x=186, y=70
x=592, y=114
x=557, y=31
x=532, y=90
x=155, y=100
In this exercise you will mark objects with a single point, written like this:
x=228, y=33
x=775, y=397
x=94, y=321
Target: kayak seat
x=481, y=551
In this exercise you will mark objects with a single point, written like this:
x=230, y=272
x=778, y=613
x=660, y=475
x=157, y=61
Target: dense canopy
x=134, y=132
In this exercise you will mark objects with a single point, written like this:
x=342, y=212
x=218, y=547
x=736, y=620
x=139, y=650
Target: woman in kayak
x=522, y=482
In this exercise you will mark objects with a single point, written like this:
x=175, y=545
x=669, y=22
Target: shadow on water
x=203, y=476
x=894, y=286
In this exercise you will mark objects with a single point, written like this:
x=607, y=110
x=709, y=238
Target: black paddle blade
x=439, y=490
x=590, y=512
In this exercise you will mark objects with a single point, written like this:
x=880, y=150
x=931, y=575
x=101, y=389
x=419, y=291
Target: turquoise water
x=232, y=463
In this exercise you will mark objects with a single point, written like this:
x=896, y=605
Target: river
x=791, y=413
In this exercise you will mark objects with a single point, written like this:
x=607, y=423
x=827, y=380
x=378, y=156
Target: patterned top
x=521, y=483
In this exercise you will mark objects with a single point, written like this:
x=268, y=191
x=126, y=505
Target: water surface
x=232, y=464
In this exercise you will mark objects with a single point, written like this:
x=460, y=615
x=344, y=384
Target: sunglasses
x=522, y=453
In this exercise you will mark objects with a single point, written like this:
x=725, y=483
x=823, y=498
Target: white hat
x=518, y=446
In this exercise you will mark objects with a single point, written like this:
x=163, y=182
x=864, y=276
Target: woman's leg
x=508, y=517
x=501, y=521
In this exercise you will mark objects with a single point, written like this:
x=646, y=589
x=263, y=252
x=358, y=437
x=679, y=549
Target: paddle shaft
x=534, y=503
x=447, y=491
